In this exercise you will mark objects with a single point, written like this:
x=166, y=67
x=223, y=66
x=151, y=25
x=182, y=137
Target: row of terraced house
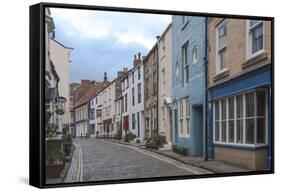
x=205, y=85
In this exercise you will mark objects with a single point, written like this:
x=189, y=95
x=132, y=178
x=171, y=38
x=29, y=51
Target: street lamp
x=61, y=105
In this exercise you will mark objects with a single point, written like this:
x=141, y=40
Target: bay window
x=241, y=119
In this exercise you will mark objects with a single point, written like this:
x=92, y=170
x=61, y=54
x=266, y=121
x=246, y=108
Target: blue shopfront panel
x=254, y=79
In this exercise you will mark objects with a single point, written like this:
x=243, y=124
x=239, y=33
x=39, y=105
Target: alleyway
x=103, y=160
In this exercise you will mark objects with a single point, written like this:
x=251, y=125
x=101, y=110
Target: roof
x=165, y=31
x=74, y=87
x=89, y=93
x=56, y=41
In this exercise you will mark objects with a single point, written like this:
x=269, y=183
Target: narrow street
x=103, y=160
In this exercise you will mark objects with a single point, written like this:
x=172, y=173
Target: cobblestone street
x=103, y=160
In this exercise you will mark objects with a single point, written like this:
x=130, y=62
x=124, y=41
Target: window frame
x=187, y=116
x=235, y=143
x=219, y=49
x=133, y=121
x=249, y=47
x=185, y=63
x=180, y=117
x=139, y=92
x=139, y=73
x=133, y=96
x=195, y=54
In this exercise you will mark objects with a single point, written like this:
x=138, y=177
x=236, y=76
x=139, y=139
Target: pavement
x=75, y=170
x=107, y=159
x=213, y=166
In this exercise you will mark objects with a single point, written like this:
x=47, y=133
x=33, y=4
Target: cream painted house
x=126, y=102
x=59, y=56
x=108, y=110
x=165, y=84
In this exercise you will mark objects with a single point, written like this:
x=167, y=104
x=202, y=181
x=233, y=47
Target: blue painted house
x=239, y=92
x=188, y=83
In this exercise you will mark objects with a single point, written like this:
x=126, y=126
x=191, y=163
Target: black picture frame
x=37, y=96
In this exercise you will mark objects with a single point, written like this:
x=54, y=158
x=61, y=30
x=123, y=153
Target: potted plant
x=55, y=157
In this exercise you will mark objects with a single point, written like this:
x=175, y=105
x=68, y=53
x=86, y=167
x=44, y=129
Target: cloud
x=133, y=37
x=105, y=41
x=124, y=27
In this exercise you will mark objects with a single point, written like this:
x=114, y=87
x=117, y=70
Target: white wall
x=137, y=107
x=60, y=58
x=164, y=89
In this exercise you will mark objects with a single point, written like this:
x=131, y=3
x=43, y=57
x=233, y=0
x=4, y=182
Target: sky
x=105, y=41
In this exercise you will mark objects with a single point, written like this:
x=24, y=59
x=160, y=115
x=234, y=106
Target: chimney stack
x=85, y=83
x=120, y=73
x=137, y=60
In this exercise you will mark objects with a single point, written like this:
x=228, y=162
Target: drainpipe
x=206, y=89
x=157, y=76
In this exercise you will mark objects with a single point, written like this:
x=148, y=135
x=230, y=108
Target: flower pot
x=54, y=170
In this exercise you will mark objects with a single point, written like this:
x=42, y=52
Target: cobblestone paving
x=103, y=160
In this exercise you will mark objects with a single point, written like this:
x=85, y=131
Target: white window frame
x=187, y=116
x=195, y=55
x=177, y=68
x=185, y=63
x=218, y=70
x=180, y=118
x=243, y=144
x=249, y=53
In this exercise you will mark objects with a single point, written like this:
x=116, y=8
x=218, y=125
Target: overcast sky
x=105, y=41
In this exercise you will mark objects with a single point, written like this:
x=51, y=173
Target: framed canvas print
x=121, y=95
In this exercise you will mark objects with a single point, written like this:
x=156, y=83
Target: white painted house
x=136, y=88
x=165, y=84
x=59, y=55
x=93, y=115
x=96, y=118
